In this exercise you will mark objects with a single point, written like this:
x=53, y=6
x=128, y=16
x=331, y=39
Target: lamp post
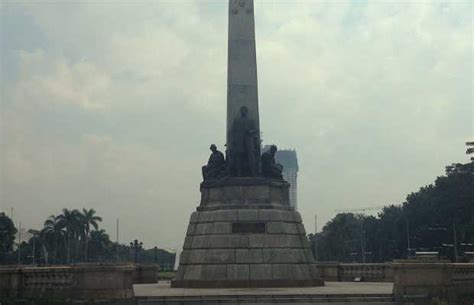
x=455, y=242
x=362, y=246
x=19, y=245
x=408, y=239
x=136, y=246
x=316, y=237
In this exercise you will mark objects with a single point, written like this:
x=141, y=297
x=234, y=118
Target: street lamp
x=136, y=246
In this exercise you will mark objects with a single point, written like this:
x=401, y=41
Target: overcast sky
x=112, y=105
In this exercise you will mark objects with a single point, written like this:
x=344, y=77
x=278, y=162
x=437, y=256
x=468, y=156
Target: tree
x=54, y=235
x=89, y=219
x=60, y=233
x=71, y=221
x=390, y=233
x=427, y=220
x=100, y=244
x=340, y=238
x=7, y=236
x=37, y=245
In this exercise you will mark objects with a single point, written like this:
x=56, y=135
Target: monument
x=244, y=233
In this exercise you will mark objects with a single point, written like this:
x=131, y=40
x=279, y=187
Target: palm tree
x=38, y=245
x=100, y=242
x=89, y=219
x=53, y=234
x=70, y=220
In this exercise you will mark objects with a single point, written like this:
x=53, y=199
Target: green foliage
x=166, y=275
x=341, y=237
x=7, y=236
x=437, y=301
x=429, y=219
x=160, y=257
x=73, y=236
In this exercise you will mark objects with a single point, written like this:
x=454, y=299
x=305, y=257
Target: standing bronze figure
x=244, y=151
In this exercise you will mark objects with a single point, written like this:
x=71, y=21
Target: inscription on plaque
x=248, y=227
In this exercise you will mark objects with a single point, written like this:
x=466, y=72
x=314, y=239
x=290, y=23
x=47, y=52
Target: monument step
x=333, y=293
x=262, y=302
x=270, y=299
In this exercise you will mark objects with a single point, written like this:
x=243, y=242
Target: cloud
x=57, y=81
x=113, y=105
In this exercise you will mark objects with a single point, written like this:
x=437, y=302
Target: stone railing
x=50, y=278
x=350, y=272
x=443, y=280
x=67, y=282
x=463, y=273
x=366, y=272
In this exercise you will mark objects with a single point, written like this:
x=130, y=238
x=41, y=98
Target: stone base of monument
x=245, y=234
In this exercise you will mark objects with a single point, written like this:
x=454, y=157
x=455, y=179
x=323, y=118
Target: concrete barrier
x=145, y=274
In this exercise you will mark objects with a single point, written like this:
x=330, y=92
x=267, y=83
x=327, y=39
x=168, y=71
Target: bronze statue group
x=243, y=158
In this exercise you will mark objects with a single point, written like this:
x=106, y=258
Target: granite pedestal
x=246, y=234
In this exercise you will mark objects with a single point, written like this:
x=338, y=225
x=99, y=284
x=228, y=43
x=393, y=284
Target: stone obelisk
x=244, y=233
x=243, y=130
x=241, y=64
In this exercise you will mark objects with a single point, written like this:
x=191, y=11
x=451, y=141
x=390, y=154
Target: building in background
x=289, y=160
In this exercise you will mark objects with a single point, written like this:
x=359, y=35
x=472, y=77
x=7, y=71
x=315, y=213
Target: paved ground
x=163, y=289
